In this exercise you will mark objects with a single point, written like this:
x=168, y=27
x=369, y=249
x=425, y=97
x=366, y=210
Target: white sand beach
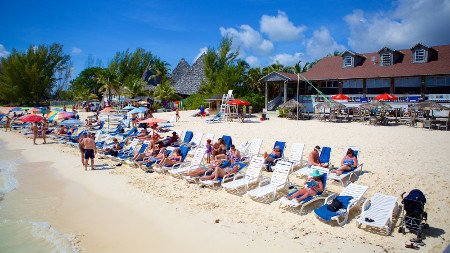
x=123, y=209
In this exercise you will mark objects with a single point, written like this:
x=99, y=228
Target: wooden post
x=266, y=96
x=285, y=92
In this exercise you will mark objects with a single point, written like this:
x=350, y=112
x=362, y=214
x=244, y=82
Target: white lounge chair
x=296, y=154
x=345, y=177
x=378, y=211
x=243, y=147
x=253, y=148
x=350, y=197
x=199, y=154
x=252, y=175
x=266, y=190
x=293, y=203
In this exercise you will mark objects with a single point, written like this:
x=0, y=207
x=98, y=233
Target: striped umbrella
x=31, y=118
x=59, y=116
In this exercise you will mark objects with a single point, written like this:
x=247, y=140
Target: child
x=208, y=151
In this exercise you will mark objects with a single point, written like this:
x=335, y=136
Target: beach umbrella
x=33, y=110
x=375, y=104
x=238, y=102
x=138, y=110
x=72, y=122
x=108, y=110
x=386, y=97
x=15, y=109
x=31, y=118
x=152, y=121
x=129, y=107
x=340, y=97
x=332, y=105
x=428, y=106
x=62, y=115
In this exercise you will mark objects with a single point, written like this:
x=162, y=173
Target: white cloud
x=252, y=61
x=201, y=51
x=321, y=44
x=287, y=59
x=248, y=38
x=408, y=23
x=279, y=28
x=76, y=51
x=3, y=52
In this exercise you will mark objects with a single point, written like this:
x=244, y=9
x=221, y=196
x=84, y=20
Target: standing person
x=177, y=114
x=44, y=130
x=89, y=151
x=81, y=146
x=8, y=123
x=209, y=150
x=35, y=130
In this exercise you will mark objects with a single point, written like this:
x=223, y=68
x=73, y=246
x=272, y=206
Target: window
x=352, y=86
x=378, y=86
x=437, y=84
x=419, y=55
x=386, y=59
x=348, y=61
x=329, y=87
x=409, y=85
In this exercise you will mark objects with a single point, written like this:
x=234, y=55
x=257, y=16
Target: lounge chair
x=378, y=211
x=252, y=175
x=286, y=203
x=324, y=157
x=212, y=183
x=243, y=147
x=347, y=175
x=282, y=146
x=161, y=169
x=195, y=140
x=128, y=156
x=217, y=118
x=228, y=141
x=267, y=190
x=129, y=153
x=350, y=197
x=296, y=154
x=253, y=148
x=199, y=154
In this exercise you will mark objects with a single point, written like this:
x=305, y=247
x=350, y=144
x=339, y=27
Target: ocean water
x=24, y=235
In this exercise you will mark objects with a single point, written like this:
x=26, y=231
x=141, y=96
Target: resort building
x=418, y=72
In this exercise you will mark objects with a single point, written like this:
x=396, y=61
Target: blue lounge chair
x=212, y=183
x=350, y=197
x=228, y=141
x=217, y=118
x=187, y=138
x=127, y=155
x=346, y=176
x=183, y=151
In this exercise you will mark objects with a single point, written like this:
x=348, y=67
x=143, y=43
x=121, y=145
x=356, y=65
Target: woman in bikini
x=35, y=130
x=44, y=130
x=172, y=159
x=313, y=186
x=348, y=163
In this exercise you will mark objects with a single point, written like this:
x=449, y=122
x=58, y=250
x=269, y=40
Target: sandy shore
x=124, y=209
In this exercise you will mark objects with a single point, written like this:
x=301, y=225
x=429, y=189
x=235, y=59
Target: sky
x=264, y=31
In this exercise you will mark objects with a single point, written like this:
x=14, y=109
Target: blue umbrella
x=129, y=107
x=138, y=110
x=72, y=122
x=16, y=109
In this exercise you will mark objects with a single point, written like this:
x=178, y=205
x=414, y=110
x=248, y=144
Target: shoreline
x=188, y=211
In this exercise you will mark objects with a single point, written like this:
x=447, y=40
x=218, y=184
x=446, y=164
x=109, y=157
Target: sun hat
x=315, y=173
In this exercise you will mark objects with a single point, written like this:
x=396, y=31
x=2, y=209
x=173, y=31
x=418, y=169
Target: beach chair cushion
x=325, y=155
x=327, y=215
x=228, y=141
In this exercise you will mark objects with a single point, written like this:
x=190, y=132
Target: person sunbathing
x=313, y=158
x=234, y=155
x=149, y=151
x=202, y=169
x=153, y=157
x=270, y=158
x=170, y=140
x=224, y=171
x=219, y=148
x=143, y=133
x=114, y=151
x=313, y=186
x=62, y=131
x=174, y=158
x=348, y=163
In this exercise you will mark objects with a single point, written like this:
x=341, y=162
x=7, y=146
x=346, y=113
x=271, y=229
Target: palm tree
x=164, y=91
x=160, y=70
x=135, y=88
x=252, y=79
x=109, y=81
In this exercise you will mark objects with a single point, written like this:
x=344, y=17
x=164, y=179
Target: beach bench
x=378, y=212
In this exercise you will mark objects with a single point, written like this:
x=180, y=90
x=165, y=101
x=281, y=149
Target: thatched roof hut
x=427, y=106
x=188, y=79
x=332, y=105
x=293, y=104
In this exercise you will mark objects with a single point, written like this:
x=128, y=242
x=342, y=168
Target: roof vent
x=374, y=60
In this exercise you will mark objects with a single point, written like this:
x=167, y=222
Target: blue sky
x=265, y=31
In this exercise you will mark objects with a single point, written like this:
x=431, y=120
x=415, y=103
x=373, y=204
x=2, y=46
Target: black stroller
x=414, y=216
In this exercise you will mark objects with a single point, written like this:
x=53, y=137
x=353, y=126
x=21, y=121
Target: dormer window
x=419, y=56
x=348, y=61
x=386, y=59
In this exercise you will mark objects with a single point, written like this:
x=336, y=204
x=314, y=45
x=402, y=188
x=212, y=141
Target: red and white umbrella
x=31, y=118
x=386, y=97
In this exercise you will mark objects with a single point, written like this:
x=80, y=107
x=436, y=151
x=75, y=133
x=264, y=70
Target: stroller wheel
x=426, y=226
x=401, y=230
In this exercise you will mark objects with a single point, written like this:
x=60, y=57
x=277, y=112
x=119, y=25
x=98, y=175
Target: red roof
x=331, y=67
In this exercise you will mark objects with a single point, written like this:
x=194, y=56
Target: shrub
x=256, y=100
x=194, y=101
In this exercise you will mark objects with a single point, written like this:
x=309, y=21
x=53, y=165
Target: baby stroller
x=414, y=217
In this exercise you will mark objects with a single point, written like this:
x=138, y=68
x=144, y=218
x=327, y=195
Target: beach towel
x=327, y=215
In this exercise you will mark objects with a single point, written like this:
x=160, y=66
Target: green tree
x=87, y=83
x=130, y=65
x=160, y=70
x=252, y=79
x=30, y=77
x=109, y=81
x=164, y=91
x=135, y=88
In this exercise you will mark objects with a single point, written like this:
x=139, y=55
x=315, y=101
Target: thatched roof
x=189, y=83
x=292, y=104
x=427, y=106
x=180, y=70
x=333, y=105
x=375, y=104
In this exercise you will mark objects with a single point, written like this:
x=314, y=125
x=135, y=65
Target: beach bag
x=335, y=205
